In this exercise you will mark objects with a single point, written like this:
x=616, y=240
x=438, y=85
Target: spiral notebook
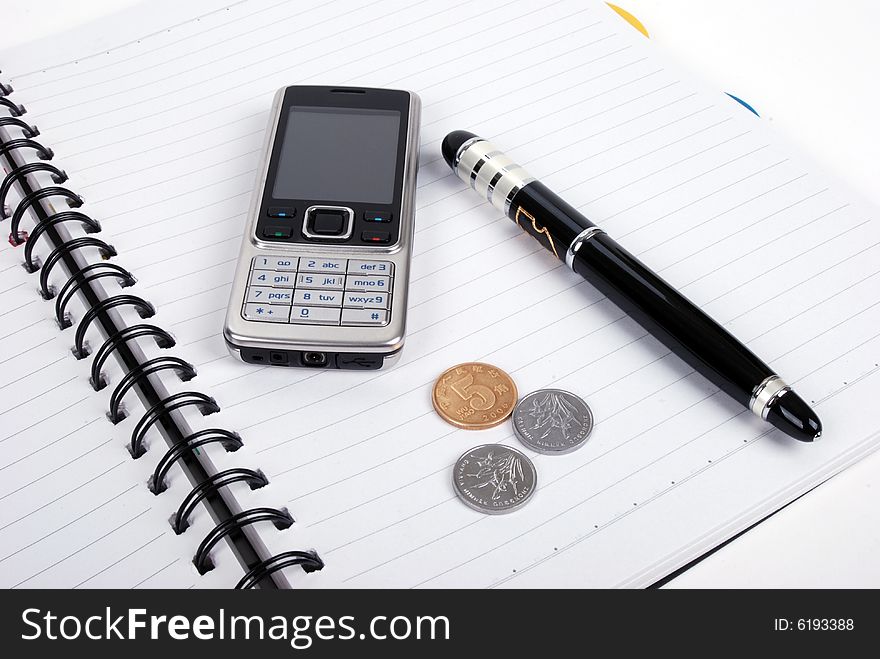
x=135, y=452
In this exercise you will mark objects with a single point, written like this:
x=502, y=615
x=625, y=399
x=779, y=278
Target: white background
x=810, y=68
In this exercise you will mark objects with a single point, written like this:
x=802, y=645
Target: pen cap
x=485, y=168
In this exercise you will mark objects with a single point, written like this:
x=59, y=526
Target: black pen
x=630, y=284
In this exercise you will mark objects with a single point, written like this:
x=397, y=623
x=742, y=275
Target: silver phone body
x=376, y=346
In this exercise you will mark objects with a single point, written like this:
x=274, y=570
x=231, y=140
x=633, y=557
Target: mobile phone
x=323, y=270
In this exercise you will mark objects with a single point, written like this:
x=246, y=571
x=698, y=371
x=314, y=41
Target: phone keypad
x=319, y=291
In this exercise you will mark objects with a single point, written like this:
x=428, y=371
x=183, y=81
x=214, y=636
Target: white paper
x=162, y=136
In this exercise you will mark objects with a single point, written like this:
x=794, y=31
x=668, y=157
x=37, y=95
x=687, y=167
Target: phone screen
x=338, y=155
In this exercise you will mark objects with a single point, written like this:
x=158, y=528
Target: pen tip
x=452, y=143
x=791, y=414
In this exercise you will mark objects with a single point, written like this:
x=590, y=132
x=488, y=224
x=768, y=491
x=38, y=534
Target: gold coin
x=474, y=396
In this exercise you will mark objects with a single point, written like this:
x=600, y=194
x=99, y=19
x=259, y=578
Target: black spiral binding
x=24, y=143
x=184, y=449
x=58, y=254
x=180, y=520
x=144, y=308
x=308, y=561
x=88, y=224
x=228, y=440
x=14, y=110
x=163, y=339
x=26, y=129
x=280, y=518
x=73, y=200
x=82, y=277
x=58, y=175
x=184, y=369
x=205, y=404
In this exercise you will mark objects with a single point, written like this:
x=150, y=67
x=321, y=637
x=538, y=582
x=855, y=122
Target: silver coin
x=552, y=421
x=494, y=478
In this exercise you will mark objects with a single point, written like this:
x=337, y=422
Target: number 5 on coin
x=480, y=396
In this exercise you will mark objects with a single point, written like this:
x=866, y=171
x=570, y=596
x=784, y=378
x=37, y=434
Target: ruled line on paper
x=16, y=309
x=28, y=375
x=161, y=569
x=22, y=353
x=120, y=559
x=42, y=420
x=83, y=548
x=47, y=446
x=175, y=60
x=55, y=385
x=67, y=524
x=94, y=55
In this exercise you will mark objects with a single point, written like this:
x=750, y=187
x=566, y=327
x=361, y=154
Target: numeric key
x=280, y=263
x=317, y=280
x=272, y=278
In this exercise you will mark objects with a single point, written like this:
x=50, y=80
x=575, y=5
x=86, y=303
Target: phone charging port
x=278, y=357
x=314, y=359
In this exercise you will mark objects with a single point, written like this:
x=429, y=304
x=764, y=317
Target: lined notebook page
x=75, y=508
x=163, y=137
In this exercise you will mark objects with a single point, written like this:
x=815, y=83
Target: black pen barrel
x=640, y=292
x=670, y=317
